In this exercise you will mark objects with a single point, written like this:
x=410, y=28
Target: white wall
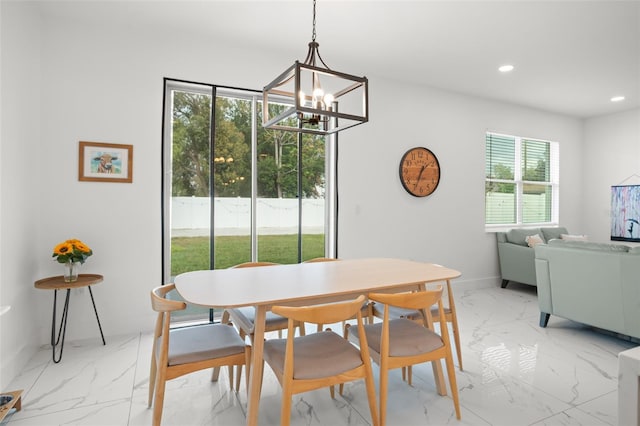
x=21, y=182
x=377, y=216
x=612, y=147
x=88, y=81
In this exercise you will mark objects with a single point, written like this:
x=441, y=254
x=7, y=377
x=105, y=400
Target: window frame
x=519, y=183
x=330, y=171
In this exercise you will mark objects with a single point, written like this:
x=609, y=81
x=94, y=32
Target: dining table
x=304, y=284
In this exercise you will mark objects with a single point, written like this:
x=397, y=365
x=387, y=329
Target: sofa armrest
x=630, y=263
x=517, y=263
x=543, y=280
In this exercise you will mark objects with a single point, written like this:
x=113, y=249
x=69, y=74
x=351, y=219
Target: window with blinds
x=521, y=181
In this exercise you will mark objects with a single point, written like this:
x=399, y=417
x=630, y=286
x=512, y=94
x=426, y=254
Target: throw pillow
x=533, y=240
x=518, y=236
x=551, y=233
x=569, y=237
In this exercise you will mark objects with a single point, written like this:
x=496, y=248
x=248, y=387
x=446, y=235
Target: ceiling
x=571, y=57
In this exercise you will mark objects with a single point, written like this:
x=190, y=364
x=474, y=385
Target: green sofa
x=597, y=284
x=517, y=259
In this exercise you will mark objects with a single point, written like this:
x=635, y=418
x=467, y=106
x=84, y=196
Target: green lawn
x=192, y=253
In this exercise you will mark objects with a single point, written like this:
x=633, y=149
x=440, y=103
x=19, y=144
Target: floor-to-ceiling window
x=235, y=192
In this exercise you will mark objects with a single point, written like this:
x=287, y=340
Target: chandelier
x=309, y=97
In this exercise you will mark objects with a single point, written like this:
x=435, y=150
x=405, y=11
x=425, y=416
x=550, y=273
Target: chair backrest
x=418, y=300
x=321, y=314
x=254, y=264
x=164, y=307
x=160, y=303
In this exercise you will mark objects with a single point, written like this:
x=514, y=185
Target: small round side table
x=58, y=283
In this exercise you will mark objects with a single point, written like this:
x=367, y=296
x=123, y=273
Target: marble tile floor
x=515, y=373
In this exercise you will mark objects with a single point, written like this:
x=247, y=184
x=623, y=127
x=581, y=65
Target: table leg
x=255, y=379
x=98, y=318
x=55, y=341
x=438, y=376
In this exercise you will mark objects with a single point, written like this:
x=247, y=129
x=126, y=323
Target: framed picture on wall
x=105, y=162
x=625, y=213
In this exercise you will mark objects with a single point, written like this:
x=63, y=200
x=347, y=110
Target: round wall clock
x=419, y=172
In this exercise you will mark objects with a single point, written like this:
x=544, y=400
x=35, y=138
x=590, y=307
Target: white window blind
x=521, y=181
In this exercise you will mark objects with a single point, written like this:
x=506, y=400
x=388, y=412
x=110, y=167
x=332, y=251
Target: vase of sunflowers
x=71, y=253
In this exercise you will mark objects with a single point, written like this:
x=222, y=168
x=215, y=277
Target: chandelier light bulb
x=302, y=97
x=328, y=99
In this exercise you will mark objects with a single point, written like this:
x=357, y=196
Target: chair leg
x=285, y=408
x=159, y=400
x=451, y=372
x=384, y=384
x=224, y=320
x=247, y=360
x=238, y=376
x=409, y=374
x=231, y=381
x=371, y=397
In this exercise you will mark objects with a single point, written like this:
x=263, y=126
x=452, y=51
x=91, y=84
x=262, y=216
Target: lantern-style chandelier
x=309, y=97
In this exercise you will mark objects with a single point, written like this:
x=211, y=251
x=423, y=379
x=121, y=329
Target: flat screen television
x=625, y=213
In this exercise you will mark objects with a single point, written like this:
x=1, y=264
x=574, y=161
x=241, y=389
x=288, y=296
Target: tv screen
x=625, y=213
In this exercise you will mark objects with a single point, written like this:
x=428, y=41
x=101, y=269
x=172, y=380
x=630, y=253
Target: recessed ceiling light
x=505, y=68
x=617, y=99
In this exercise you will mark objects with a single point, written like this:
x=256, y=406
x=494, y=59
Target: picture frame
x=625, y=213
x=105, y=162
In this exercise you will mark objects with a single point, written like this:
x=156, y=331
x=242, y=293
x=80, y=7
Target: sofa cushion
x=551, y=233
x=634, y=250
x=569, y=237
x=518, y=236
x=590, y=246
x=533, y=240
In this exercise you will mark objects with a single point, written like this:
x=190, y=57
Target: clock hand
x=419, y=176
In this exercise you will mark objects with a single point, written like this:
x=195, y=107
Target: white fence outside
x=535, y=205
x=190, y=216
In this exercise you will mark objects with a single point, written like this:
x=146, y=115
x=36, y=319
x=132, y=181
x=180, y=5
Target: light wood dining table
x=303, y=284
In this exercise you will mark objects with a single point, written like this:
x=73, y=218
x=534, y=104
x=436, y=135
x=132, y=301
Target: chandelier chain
x=313, y=35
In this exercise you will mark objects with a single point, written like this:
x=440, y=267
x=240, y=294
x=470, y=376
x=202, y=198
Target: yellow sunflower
x=79, y=245
x=63, y=249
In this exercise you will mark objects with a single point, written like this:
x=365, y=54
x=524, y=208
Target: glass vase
x=71, y=271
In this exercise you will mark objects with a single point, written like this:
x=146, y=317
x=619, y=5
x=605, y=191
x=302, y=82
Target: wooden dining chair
x=366, y=308
x=322, y=359
x=400, y=342
x=416, y=315
x=181, y=351
x=244, y=318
